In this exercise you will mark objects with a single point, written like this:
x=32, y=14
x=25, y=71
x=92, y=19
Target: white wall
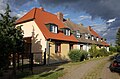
x=38, y=40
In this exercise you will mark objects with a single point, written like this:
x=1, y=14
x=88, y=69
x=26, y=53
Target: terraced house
x=53, y=36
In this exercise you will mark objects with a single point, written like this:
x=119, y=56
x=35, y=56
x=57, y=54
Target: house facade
x=48, y=34
x=52, y=37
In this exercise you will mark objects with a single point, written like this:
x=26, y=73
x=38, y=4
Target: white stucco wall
x=38, y=40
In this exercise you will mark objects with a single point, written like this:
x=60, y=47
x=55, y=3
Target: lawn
x=51, y=71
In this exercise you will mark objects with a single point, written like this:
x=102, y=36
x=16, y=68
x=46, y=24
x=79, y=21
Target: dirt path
x=107, y=74
x=97, y=68
x=79, y=71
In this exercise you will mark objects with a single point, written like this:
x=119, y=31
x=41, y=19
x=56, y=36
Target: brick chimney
x=89, y=28
x=60, y=16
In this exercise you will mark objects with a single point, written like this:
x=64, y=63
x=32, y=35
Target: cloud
x=85, y=17
x=111, y=20
x=65, y=15
x=105, y=9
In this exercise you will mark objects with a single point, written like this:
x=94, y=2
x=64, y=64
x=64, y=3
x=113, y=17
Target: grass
x=51, y=72
x=46, y=75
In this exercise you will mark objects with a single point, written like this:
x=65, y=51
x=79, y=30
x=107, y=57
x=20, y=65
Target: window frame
x=78, y=35
x=67, y=31
x=57, y=47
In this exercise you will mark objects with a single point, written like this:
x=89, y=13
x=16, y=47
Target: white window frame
x=92, y=37
x=67, y=32
x=77, y=34
x=97, y=39
x=86, y=36
x=54, y=28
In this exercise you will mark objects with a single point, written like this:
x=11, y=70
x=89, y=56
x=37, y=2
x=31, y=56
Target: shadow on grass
x=41, y=70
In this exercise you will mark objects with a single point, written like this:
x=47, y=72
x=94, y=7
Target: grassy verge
x=51, y=72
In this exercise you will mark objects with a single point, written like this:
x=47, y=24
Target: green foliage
x=113, y=49
x=11, y=37
x=94, y=52
x=77, y=55
x=74, y=55
x=118, y=49
x=103, y=52
x=84, y=55
x=118, y=38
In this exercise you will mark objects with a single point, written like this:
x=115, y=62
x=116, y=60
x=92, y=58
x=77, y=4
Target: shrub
x=113, y=49
x=84, y=55
x=74, y=55
x=104, y=52
x=94, y=52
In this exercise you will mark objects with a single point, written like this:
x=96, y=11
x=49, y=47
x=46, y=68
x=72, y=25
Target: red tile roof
x=97, y=35
x=93, y=32
x=41, y=18
x=105, y=44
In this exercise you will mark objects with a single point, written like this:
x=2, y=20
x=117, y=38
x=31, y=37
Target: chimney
x=89, y=28
x=81, y=24
x=68, y=19
x=60, y=16
x=41, y=8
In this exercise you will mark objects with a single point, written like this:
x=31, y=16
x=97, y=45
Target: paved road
x=91, y=68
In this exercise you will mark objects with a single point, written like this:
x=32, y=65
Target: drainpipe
x=48, y=51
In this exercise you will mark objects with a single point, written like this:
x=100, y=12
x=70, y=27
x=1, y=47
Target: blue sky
x=102, y=15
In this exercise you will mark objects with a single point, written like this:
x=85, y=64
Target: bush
x=104, y=52
x=74, y=55
x=113, y=49
x=84, y=55
x=94, y=52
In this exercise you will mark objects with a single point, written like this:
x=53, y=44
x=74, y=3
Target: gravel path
x=80, y=71
x=107, y=74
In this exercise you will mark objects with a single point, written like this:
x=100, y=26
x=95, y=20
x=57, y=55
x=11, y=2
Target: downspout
x=48, y=51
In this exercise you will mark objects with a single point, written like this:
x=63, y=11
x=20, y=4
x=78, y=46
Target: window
x=81, y=47
x=67, y=32
x=78, y=34
x=97, y=39
x=52, y=27
x=86, y=36
x=71, y=46
x=57, y=48
x=92, y=37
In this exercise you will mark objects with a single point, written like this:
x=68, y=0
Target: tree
x=118, y=40
x=11, y=38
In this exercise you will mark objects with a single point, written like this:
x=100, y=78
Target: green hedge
x=74, y=55
x=77, y=55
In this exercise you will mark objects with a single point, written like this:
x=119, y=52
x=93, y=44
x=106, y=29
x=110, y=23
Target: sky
x=102, y=15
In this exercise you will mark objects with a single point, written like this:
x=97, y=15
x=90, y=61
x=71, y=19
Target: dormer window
x=86, y=36
x=92, y=37
x=52, y=27
x=66, y=31
x=78, y=34
x=97, y=39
